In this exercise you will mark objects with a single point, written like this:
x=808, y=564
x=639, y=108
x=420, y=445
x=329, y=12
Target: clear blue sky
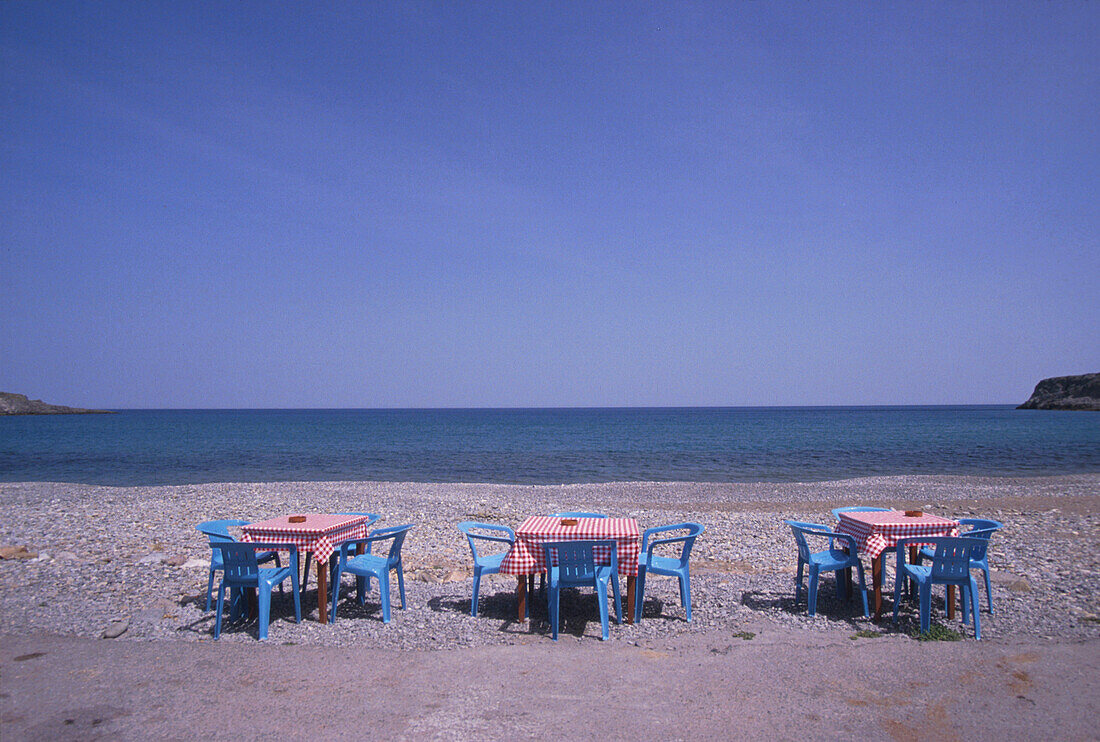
x=528, y=204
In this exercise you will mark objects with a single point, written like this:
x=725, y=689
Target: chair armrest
x=904, y=544
x=658, y=542
x=501, y=539
x=277, y=546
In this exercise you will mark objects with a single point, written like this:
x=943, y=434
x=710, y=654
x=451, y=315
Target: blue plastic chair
x=649, y=563
x=979, y=528
x=367, y=565
x=858, y=509
x=485, y=564
x=372, y=518
x=950, y=566
x=241, y=569
x=217, y=532
x=829, y=560
x=542, y=577
x=573, y=564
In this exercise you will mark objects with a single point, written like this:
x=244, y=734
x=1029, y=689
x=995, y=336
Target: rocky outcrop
x=1065, y=393
x=18, y=404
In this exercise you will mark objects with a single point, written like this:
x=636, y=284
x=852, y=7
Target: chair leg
x=798, y=582
x=263, y=599
x=384, y=588
x=685, y=593
x=552, y=603
x=401, y=583
x=639, y=594
x=925, y=594
x=862, y=588
x=279, y=565
x=601, y=598
x=618, y=598
x=473, y=595
x=988, y=592
x=361, y=589
x=221, y=605
x=297, y=596
x=973, y=589
x=811, y=598
x=209, y=590
x=334, y=594
x=898, y=579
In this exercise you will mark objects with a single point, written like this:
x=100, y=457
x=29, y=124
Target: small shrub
x=936, y=633
x=865, y=634
x=746, y=635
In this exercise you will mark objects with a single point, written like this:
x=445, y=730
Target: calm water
x=545, y=445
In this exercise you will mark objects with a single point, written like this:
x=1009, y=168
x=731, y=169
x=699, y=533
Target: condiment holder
x=914, y=513
x=297, y=519
x=569, y=521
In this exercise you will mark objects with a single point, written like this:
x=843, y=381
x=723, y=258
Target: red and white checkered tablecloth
x=877, y=531
x=321, y=533
x=526, y=556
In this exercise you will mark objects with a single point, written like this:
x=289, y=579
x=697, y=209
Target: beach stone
x=16, y=552
x=175, y=561
x=116, y=629
x=195, y=563
x=67, y=556
x=156, y=557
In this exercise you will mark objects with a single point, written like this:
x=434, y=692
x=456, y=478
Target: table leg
x=950, y=601
x=631, y=580
x=912, y=584
x=521, y=595
x=876, y=580
x=322, y=590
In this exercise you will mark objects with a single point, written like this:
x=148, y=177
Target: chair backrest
x=470, y=528
x=577, y=515
x=395, y=534
x=217, y=531
x=980, y=527
x=575, y=561
x=371, y=517
x=239, y=560
x=857, y=509
x=688, y=539
x=951, y=560
x=800, y=529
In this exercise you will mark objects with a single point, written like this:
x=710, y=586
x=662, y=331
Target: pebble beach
x=127, y=562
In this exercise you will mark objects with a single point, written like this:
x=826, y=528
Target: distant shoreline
x=18, y=404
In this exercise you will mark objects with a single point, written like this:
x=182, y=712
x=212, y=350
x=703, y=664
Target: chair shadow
x=282, y=609
x=578, y=610
x=838, y=609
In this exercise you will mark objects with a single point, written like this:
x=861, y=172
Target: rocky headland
x=18, y=404
x=1065, y=393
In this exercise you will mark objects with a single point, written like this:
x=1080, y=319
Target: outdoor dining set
x=581, y=550
x=914, y=536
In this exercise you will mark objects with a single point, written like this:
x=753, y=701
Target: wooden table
x=526, y=558
x=877, y=532
x=320, y=534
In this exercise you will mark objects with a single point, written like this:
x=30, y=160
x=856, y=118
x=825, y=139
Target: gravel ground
x=129, y=558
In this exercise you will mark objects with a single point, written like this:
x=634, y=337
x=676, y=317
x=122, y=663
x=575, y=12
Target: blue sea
x=544, y=446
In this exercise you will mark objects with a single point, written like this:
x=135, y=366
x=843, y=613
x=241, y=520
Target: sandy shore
x=112, y=557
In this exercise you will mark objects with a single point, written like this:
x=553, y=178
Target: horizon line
x=504, y=408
